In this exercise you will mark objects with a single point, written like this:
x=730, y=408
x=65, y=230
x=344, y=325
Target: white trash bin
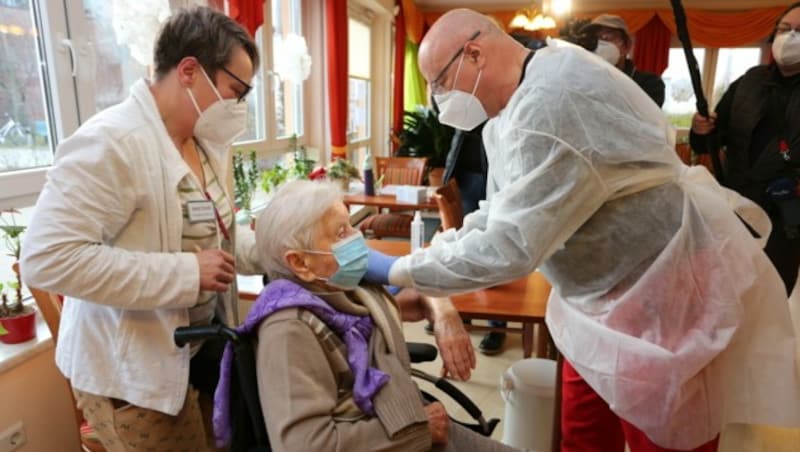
x=528, y=388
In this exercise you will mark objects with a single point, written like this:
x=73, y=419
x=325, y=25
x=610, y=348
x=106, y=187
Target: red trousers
x=589, y=425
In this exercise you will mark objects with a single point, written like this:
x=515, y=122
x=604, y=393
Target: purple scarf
x=354, y=330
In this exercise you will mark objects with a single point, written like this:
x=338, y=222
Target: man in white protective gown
x=671, y=319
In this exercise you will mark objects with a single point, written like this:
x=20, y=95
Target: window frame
x=709, y=70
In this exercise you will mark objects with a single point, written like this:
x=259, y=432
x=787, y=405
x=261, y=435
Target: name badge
x=200, y=211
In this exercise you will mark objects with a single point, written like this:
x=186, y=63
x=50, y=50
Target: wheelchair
x=249, y=432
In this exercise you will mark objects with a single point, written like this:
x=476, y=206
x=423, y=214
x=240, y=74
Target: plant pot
x=21, y=327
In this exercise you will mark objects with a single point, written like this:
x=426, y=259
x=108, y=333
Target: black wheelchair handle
x=420, y=352
x=459, y=397
x=185, y=334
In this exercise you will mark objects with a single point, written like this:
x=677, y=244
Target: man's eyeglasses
x=436, y=86
x=246, y=89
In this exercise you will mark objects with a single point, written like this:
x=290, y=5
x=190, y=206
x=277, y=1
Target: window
x=359, y=111
x=732, y=63
x=24, y=121
x=679, y=99
x=275, y=108
x=60, y=63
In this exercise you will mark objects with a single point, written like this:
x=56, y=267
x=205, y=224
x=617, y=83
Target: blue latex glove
x=394, y=290
x=378, y=265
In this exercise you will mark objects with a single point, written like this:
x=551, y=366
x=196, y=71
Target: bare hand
x=216, y=270
x=455, y=345
x=437, y=422
x=702, y=125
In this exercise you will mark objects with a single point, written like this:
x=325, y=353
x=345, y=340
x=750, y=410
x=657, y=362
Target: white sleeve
x=88, y=199
x=554, y=189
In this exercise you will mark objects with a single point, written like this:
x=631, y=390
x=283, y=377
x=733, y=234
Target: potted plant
x=341, y=171
x=424, y=136
x=17, y=321
x=245, y=182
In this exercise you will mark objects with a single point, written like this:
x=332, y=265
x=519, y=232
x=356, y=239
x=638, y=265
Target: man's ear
x=188, y=69
x=296, y=262
x=473, y=52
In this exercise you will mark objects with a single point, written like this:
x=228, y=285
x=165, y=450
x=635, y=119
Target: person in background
x=757, y=121
x=614, y=44
x=660, y=291
x=135, y=227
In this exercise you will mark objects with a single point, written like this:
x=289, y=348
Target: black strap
x=525, y=65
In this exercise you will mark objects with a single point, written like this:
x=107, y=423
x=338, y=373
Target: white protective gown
x=662, y=300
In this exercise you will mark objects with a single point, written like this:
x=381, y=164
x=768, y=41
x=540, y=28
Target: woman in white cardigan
x=135, y=227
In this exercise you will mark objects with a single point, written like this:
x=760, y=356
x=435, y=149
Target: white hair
x=289, y=220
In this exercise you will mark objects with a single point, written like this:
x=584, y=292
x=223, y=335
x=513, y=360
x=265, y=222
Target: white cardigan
x=106, y=232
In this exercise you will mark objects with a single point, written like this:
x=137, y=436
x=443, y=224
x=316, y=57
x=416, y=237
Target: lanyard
x=220, y=223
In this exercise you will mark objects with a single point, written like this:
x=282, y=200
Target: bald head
x=466, y=51
x=449, y=34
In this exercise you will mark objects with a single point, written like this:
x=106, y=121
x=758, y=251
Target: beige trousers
x=130, y=428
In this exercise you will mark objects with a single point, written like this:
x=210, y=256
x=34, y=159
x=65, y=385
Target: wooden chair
x=50, y=305
x=451, y=212
x=395, y=171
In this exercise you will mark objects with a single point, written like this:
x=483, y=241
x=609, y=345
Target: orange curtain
x=336, y=40
x=707, y=28
x=249, y=13
x=726, y=29
x=399, y=73
x=414, y=21
x=651, y=47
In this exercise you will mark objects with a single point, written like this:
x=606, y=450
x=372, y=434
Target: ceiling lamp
x=531, y=19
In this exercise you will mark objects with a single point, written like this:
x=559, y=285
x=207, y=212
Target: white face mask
x=608, y=51
x=786, y=48
x=221, y=123
x=459, y=109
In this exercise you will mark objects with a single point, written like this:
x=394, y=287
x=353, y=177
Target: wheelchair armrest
x=185, y=334
x=420, y=352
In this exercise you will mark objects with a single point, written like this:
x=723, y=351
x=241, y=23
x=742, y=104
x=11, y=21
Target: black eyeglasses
x=246, y=89
x=436, y=86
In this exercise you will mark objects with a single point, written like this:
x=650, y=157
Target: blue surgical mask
x=351, y=255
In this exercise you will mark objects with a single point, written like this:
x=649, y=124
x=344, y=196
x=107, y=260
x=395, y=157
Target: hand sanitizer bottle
x=417, y=232
x=369, y=181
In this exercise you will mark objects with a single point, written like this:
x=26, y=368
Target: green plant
x=245, y=178
x=10, y=309
x=273, y=177
x=424, y=136
x=342, y=169
x=12, y=235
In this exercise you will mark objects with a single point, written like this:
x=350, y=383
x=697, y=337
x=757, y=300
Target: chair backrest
x=451, y=212
x=400, y=170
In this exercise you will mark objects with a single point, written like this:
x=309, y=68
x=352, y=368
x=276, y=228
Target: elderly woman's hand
x=453, y=341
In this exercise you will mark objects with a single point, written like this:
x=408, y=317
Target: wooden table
x=389, y=202
x=523, y=300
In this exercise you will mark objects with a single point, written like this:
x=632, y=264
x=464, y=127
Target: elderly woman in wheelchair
x=333, y=369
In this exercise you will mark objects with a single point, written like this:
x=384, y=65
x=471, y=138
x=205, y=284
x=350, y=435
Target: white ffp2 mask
x=786, y=48
x=223, y=122
x=608, y=51
x=461, y=110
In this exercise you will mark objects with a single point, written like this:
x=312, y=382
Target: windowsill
x=11, y=355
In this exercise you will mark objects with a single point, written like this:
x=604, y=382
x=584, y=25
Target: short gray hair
x=288, y=221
